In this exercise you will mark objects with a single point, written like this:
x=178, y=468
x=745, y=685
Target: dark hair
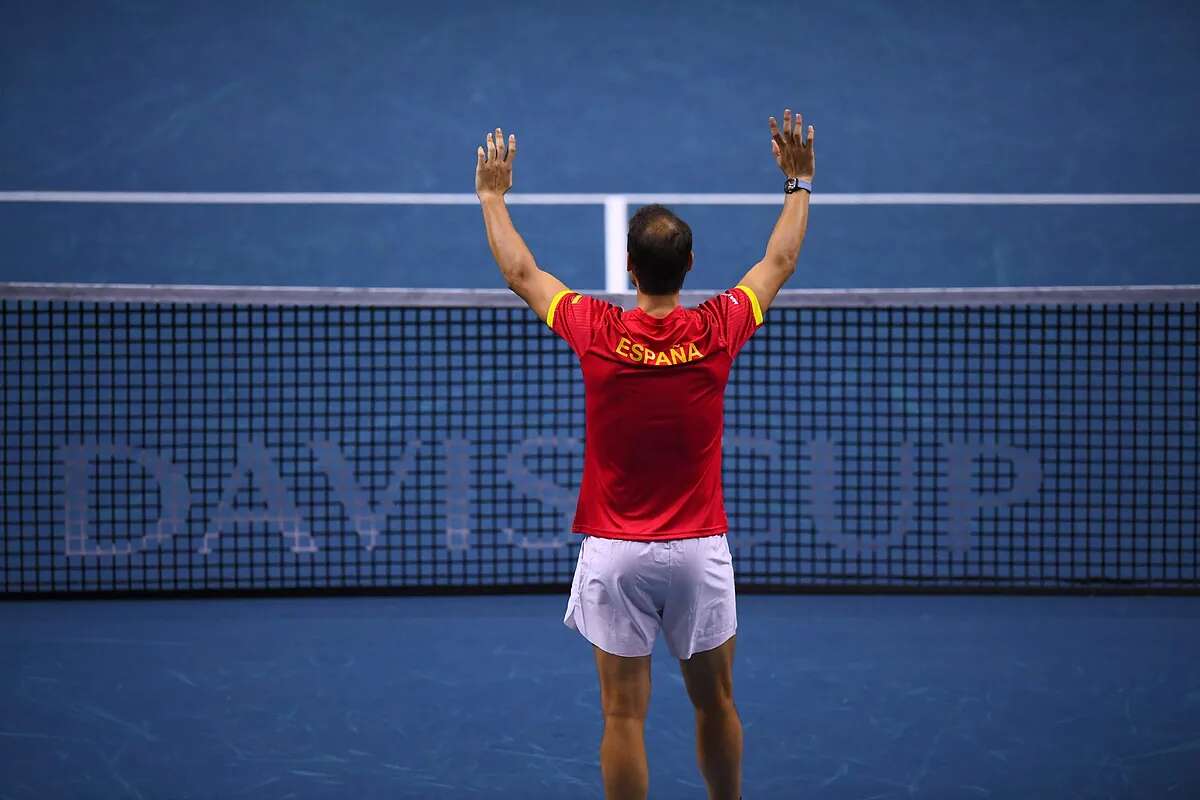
x=660, y=246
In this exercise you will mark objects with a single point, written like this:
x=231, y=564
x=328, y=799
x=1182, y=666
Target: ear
x=632, y=275
x=691, y=260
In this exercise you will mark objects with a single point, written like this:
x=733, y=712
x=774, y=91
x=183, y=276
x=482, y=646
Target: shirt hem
x=657, y=536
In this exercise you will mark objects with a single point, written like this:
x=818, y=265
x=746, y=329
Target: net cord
x=502, y=298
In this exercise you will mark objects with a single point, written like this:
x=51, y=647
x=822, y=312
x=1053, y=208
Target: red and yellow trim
x=758, y=315
x=554, y=304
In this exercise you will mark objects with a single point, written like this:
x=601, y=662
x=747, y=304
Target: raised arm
x=493, y=177
x=795, y=157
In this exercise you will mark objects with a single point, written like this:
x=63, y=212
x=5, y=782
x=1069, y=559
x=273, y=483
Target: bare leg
x=625, y=698
x=709, y=680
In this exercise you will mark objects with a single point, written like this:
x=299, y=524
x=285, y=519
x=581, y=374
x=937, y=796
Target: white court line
x=925, y=199
x=616, y=224
x=465, y=198
x=295, y=198
x=616, y=205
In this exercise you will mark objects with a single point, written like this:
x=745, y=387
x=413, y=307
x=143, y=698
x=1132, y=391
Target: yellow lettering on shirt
x=641, y=354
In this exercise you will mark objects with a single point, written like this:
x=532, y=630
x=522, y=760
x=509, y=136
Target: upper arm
x=538, y=290
x=766, y=278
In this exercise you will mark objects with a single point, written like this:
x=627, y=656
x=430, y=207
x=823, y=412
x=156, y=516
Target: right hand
x=793, y=154
x=494, y=166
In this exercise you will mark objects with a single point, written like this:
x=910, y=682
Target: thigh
x=708, y=676
x=624, y=684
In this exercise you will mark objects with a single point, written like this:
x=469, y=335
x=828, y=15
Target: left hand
x=493, y=168
x=793, y=154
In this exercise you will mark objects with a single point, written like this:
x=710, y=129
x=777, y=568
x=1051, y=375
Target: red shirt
x=655, y=397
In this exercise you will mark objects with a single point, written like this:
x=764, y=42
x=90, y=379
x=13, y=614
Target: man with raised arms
x=654, y=554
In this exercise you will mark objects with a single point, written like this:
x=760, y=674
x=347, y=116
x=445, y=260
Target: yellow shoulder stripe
x=758, y=315
x=553, y=305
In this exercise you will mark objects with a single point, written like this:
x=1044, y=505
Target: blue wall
x=634, y=97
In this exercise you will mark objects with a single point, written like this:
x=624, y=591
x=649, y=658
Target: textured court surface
x=841, y=697
x=631, y=97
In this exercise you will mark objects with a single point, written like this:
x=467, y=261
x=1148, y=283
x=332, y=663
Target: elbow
x=783, y=263
x=517, y=275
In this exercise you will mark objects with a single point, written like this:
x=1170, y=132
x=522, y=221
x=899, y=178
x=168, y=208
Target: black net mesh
x=166, y=447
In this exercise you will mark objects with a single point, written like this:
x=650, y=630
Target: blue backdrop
x=631, y=97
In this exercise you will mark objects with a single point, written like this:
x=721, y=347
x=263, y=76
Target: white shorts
x=624, y=591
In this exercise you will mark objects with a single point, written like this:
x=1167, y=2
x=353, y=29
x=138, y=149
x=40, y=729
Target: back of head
x=660, y=249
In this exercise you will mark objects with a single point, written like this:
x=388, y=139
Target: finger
x=776, y=138
x=500, y=144
x=491, y=148
x=479, y=156
x=798, y=129
x=512, y=147
x=812, y=132
x=775, y=148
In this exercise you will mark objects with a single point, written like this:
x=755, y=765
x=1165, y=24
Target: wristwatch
x=795, y=184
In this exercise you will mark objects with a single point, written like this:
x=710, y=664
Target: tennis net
x=216, y=439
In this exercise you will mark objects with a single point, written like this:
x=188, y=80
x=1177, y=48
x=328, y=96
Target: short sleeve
x=738, y=313
x=576, y=318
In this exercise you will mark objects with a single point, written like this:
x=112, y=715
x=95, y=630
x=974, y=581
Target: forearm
x=783, y=248
x=794, y=156
x=508, y=248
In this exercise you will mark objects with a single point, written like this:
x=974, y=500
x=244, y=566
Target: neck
x=657, y=305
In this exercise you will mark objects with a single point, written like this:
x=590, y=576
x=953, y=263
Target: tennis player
x=654, y=556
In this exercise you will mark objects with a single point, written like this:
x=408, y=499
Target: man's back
x=655, y=412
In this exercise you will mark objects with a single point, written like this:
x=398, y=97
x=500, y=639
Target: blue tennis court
x=939, y=97
x=265, y=538
x=842, y=696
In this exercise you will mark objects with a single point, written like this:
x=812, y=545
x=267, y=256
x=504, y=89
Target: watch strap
x=796, y=184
